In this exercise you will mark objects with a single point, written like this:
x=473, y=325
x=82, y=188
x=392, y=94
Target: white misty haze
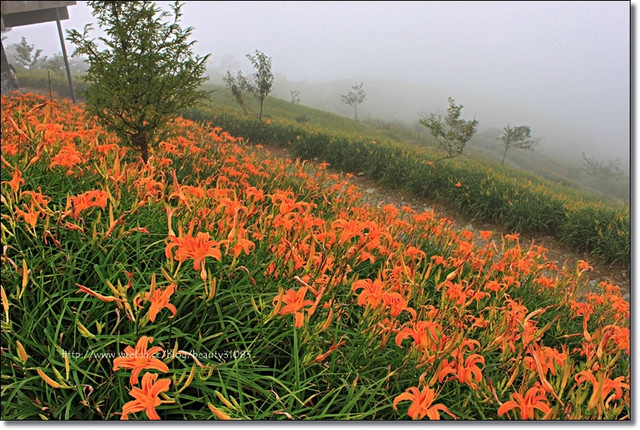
x=563, y=68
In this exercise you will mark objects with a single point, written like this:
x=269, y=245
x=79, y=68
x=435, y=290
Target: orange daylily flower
x=486, y=234
x=544, y=281
x=160, y=300
x=513, y=236
x=372, y=292
x=95, y=198
x=422, y=404
x=350, y=229
x=140, y=359
x=39, y=198
x=607, y=286
x=602, y=386
x=534, y=398
x=146, y=398
x=240, y=244
x=621, y=337
x=16, y=180
x=494, y=286
x=295, y=301
x=198, y=248
x=30, y=217
x=456, y=293
x=466, y=371
x=427, y=336
x=68, y=156
x=286, y=203
x=438, y=259
x=10, y=148
x=106, y=148
x=549, y=359
x=397, y=304
x=584, y=266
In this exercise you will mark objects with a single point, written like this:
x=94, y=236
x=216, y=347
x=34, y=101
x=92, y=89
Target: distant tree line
x=25, y=56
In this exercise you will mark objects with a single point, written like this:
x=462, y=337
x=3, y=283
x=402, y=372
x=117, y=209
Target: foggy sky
x=561, y=67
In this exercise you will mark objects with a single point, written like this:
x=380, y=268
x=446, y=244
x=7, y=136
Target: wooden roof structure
x=18, y=13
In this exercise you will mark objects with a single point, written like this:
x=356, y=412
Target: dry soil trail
x=557, y=252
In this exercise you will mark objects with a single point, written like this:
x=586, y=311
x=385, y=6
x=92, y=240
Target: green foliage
x=516, y=137
x=41, y=80
x=354, y=98
x=146, y=73
x=25, y=57
x=609, y=171
x=598, y=229
x=605, y=176
x=259, y=86
x=451, y=132
x=55, y=64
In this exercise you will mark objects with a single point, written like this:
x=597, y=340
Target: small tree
x=55, y=64
x=451, y=132
x=295, y=96
x=354, y=98
x=25, y=56
x=516, y=137
x=146, y=73
x=259, y=86
x=604, y=172
x=606, y=177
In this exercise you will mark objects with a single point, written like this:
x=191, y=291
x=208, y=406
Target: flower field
x=479, y=188
x=217, y=283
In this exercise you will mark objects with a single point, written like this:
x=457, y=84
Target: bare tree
x=354, y=98
x=295, y=96
x=55, y=64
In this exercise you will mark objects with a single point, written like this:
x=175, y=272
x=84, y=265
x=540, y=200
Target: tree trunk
x=144, y=151
x=140, y=142
x=504, y=155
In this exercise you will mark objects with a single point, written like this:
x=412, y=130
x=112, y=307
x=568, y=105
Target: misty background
x=563, y=68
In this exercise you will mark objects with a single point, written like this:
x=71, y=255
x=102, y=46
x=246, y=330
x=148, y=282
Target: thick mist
x=563, y=68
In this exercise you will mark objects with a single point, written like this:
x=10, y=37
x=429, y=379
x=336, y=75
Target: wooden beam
x=9, y=7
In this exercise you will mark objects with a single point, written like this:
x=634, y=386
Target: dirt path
x=560, y=254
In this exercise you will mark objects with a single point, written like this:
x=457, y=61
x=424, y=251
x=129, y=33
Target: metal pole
x=64, y=55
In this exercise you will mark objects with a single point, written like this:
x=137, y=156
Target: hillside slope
x=215, y=282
